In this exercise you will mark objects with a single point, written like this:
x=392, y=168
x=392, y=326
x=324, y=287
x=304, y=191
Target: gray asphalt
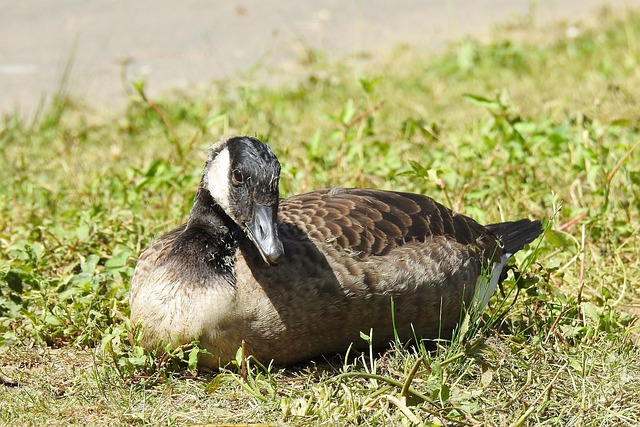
x=178, y=43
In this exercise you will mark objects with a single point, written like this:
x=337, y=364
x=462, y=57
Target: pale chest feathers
x=179, y=311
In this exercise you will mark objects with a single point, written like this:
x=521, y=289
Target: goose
x=303, y=276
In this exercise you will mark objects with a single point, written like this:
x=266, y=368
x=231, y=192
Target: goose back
x=360, y=260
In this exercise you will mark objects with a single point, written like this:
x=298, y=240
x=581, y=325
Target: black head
x=242, y=175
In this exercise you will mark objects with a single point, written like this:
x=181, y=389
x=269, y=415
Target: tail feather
x=514, y=235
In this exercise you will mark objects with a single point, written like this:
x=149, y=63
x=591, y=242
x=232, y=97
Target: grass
x=545, y=126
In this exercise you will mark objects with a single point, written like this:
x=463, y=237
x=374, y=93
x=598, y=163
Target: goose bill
x=263, y=232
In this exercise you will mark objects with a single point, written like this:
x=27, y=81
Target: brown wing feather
x=373, y=222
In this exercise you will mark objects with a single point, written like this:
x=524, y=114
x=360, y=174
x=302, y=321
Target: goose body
x=303, y=276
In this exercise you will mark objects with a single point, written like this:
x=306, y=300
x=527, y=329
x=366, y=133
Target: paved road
x=175, y=43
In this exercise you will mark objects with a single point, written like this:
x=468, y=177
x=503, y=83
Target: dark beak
x=263, y=232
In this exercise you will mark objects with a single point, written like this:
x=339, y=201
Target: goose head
x=241, y=175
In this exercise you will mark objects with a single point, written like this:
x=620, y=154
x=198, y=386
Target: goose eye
x=236, y=177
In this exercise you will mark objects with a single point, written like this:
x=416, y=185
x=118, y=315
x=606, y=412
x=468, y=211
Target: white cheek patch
x=217, y=179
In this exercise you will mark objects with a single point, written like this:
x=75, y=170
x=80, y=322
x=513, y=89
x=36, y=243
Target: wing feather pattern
x=374, y=222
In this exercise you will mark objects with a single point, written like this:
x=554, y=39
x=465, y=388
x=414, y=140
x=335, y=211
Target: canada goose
x=303, y=276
